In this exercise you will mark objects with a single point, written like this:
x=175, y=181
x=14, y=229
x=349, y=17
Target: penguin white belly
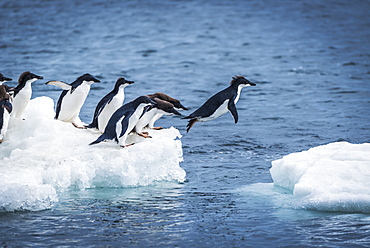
x=20, y=101
x=145, y=119
x=154, y=119
x=72, y=103
x=108, y=111
x=131, y=124
x=4, y=128
x=221, y=110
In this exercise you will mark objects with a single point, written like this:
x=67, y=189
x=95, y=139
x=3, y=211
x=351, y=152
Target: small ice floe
x=333, y=177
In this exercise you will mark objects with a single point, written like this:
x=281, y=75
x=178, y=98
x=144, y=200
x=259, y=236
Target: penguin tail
x=190, y=124
x=100, y=139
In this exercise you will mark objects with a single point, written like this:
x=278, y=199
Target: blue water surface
x=310, y=60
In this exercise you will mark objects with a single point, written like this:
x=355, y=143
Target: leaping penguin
x=109, y=104
x=22, y=93
x=5, y=110
x=4, y=79
x=220, y=103
x=124, y=120
x=72, y=98
x=176, y=104
x=162, y=108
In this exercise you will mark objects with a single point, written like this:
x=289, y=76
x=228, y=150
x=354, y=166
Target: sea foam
x=41, y=157
x=333, y=177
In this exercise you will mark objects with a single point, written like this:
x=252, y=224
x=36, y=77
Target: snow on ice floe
x=333, y=177
x=41, y=157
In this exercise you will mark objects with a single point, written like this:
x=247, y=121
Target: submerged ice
x=41, y=157
x=333, y=177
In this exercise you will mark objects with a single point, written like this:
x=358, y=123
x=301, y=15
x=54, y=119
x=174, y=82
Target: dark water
x=309, y=59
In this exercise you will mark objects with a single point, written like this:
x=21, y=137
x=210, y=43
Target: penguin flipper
x=94, y=123
x=232, y=108
x=60, y=84
x=124, y=123
x=99, y=108
x=8, y=106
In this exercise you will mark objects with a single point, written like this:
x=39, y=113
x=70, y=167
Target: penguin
x=108, y=104
x=162, y=108
x=4, y=79
x=22, y=93
x=5, y=110
x=72, y=98
x=124, y=120
x=176, y=103
x=220, y=103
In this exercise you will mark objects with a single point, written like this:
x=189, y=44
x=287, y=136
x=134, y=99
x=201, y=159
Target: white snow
x=333, y=177
x=41, y=157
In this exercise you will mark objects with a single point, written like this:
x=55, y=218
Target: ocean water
x=310, y=61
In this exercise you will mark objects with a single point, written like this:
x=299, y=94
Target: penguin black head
x=4, y=79
x=122, y=81
x=146, y=100
x=88, y=78
x=26, y=76
x=240, y=80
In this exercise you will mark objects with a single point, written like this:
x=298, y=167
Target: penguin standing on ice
x=22, y=93
x=72, y=98
x=220, y=103
x=5, y=110
x=124, y=120
x=162, y=108
x=4, y=79
x=176, y=104
x=109, y=104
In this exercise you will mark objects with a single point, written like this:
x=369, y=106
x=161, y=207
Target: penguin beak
x=130, y=82
x=175, y=112
x=153, y=105
x=147, y=108
x=6, y=79
x=251, y=84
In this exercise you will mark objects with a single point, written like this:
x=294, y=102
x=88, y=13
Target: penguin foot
x=1, y=141
x=144, y=135
x=77, y=126
x=190, y=124
x=157, y=128
x=128, y=145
